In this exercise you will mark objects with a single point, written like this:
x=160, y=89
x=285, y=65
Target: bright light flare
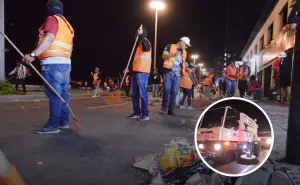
x=195, y=56
x=158, y=5
x=217, y=146
x=200, y=65
x=226, y=143
x=203, y=70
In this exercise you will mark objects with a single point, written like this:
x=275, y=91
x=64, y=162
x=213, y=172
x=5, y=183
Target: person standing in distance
x=54, y=50
x=140, y=76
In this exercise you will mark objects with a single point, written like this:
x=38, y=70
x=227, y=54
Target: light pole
x=2, y=48
x=200, y=70
x=157, y=5
x=195, y=57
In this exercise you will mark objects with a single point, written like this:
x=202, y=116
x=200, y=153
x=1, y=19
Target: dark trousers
x=243, y=87
x=127, y=90
x=22, y=82
x=193, y=89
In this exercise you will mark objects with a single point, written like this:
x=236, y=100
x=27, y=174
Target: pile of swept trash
x=179, y=164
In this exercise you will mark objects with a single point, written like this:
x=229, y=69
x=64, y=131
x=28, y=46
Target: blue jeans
x=260, y=93
x=171, y=87
x=139, y=88
x=187, y=93
x=58, y=77
x=230, y=88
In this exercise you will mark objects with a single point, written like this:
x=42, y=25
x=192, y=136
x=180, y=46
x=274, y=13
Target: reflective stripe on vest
x=63, y=43
x=142, y=59
x=168, y=63
x=186, y=81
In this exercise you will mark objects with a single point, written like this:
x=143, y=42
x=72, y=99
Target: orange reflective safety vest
x=208, y=81
x=168, y=63
x=186, y=81
x=231, y=71
x=127, y=80
x=63, y=42
x=243, y=75
x=96, y=80
x=142, y=60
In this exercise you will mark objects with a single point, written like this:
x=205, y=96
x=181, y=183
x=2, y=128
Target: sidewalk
x=41, y=95
x=275, y=171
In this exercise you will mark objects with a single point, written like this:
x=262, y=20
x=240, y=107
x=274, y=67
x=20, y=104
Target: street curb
x=35, y=97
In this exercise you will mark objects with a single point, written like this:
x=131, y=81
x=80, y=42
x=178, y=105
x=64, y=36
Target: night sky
x=104, y=30
x=249, y=109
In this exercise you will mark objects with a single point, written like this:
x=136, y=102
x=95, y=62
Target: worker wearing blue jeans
x=139, y=87
x=171, y=87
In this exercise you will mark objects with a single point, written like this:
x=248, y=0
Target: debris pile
x=176, y=165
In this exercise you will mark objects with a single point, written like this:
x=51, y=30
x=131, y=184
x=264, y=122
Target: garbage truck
x=225, y=134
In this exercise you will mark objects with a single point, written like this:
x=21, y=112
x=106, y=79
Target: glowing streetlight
x=203, y=70
x=195, y=57
x=157, y=5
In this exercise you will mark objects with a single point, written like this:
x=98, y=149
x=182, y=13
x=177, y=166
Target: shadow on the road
x=248, y=162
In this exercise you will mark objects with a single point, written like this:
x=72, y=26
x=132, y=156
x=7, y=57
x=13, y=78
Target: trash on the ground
x=198, y=178
x=175, y=165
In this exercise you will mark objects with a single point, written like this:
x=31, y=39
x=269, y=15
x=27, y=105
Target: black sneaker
x=171, y=113
x=144, y=118
x=133, y=116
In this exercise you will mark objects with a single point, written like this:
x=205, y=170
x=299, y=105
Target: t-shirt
x=176, y=68
x=51, y=25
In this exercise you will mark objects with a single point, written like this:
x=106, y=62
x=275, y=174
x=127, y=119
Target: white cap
x=282, y=55
x=186, y=40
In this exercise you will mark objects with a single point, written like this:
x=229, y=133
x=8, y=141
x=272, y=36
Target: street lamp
x=195, y=57
x=200, y=69
x=157, y=5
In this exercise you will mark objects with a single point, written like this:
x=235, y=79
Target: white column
x=2, y=47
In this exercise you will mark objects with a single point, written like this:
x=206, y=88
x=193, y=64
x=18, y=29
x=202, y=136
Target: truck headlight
x=217, y=146
x=269, y=141
x=201, y=146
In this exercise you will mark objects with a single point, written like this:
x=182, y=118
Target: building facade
x=270, y=37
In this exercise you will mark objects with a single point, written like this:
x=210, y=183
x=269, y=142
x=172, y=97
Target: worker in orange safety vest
x=243, y=78
x=174, y=56
x=231, y=73
x=8, y=174
x=186, y=84
x=54, y=50
x=96, y=82
x=207, y=84
x=140, y=76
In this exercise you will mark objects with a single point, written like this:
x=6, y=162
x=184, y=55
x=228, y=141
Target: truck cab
x=225, y=133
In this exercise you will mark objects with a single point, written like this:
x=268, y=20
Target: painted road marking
x=103, y=106
x=39, y=100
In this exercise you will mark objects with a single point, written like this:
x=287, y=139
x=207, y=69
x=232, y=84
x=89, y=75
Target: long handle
x=130, y=58
x=45, y=81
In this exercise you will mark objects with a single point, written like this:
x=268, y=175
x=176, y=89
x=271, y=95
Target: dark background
x=104, y=30
x=249, y=109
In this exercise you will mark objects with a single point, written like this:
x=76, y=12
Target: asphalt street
x=239, y=168
x=102, y=153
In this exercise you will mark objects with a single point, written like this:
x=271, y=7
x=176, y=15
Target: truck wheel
x=256, y=149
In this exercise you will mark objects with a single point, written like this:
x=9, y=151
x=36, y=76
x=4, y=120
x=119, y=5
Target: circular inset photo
x=234, y=137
